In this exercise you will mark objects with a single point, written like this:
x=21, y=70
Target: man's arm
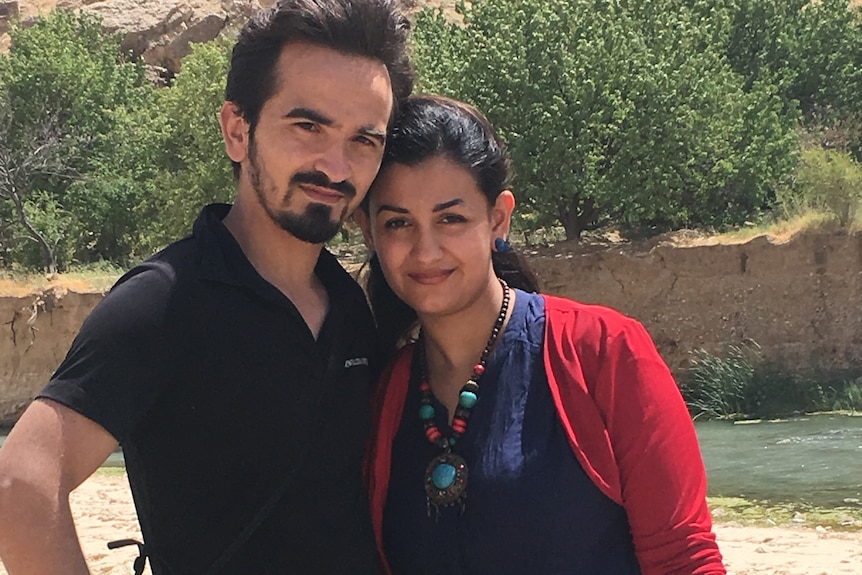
x=51, y=450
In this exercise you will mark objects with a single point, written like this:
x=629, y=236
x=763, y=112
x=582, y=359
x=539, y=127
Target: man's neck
x=281, y=259
x=278, y=256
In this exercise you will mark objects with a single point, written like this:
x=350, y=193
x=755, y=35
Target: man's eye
x=307, y=126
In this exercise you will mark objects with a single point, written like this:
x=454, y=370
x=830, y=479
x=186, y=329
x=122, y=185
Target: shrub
x=622, y=112
x=716, y=386
x=741, y=383
x=825, y=180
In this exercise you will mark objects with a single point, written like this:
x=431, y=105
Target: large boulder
x=161, y=31
x=9, y=9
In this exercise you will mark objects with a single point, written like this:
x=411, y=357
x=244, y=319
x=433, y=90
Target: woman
x=517, y=433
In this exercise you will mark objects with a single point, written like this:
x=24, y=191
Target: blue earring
x=502, y=246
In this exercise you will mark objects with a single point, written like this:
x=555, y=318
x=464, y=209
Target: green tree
x=613, y=112
x=31, y=155
x=66, y=67
x=812, y=51
x=193, y=167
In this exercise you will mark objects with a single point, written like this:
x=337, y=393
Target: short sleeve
x=120, y=360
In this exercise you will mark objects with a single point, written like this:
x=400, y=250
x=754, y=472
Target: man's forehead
x=334, y=83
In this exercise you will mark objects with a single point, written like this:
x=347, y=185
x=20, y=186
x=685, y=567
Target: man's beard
x=315, y=224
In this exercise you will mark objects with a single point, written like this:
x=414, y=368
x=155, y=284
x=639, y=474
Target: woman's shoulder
x=595, y=332
x=560, y=308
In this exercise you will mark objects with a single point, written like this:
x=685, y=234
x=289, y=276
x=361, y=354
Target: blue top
x=530, y=507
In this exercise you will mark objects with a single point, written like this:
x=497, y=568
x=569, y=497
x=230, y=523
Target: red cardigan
x=627, y=425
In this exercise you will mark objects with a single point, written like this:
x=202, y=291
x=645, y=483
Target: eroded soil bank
x=799, y=300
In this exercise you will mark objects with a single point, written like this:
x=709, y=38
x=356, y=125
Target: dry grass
x=22, y=285
x=776, y=232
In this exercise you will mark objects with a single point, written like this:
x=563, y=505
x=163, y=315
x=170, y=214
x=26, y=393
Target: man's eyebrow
x=373, y=133
x=447, y=205
x=309, y=114
x=391, y=208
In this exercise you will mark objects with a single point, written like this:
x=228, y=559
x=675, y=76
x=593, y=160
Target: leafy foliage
x=193, y=169
x=613, y=111
x=64, y=67
x=826, y=180
x=644, y=114
x=741, y=383
x=812, y=51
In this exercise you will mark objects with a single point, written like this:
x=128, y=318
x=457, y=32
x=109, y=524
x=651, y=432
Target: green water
x=813, y=459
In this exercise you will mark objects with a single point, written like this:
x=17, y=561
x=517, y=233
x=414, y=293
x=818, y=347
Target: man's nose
x=333, y=162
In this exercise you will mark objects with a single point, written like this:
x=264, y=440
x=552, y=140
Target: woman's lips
x=430, y=277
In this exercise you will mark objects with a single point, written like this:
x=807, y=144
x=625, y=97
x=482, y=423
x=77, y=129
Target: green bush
x=740, y=383
x=828, y=181
x=716, y=386
x=67, y=81
x=614, y=112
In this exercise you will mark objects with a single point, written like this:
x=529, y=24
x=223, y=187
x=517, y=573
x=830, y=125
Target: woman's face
x=432, y=229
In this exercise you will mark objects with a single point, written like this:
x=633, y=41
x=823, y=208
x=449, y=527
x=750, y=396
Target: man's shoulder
x=148, y=290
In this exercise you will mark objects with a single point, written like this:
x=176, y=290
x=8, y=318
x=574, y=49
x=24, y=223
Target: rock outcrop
x=159, y=31
x=9, y=9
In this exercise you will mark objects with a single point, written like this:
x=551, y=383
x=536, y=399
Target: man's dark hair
x=373, y=29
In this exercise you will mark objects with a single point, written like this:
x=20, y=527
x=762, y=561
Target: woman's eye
x=395, y=224
x=453, y=219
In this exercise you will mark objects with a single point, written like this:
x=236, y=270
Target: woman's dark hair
x=425, y=127
x=374, y=29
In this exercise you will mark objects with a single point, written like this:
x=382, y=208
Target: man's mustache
x=322, y=180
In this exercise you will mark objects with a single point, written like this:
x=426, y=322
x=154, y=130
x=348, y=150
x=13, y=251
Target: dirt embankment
x=799, y=300
x=36, y=330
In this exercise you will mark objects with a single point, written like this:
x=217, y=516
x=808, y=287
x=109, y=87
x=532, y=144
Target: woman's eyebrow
x=391, y=208
x=447, y=205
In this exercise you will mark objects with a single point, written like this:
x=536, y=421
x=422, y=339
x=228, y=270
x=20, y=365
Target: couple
x=512, y=432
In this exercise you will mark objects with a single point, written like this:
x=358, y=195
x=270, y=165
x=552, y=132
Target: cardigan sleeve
x=658, y=466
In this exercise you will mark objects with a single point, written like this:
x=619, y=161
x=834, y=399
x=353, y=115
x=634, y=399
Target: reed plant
x=740, y=383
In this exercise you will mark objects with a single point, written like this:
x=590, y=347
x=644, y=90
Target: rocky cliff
x=160, y=31
x=799, y=300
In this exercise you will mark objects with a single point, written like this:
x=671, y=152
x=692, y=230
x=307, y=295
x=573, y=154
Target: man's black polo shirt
x=217, y=390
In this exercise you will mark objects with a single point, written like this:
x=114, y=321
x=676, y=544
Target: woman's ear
x=501, y=214
x=363, y=220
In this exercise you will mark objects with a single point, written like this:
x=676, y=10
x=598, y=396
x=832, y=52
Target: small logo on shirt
x=356, y=361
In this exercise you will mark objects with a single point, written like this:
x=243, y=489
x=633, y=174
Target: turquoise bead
x=443, y=476
x=467, y=399
x=426, y=412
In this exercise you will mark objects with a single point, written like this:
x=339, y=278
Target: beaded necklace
x=446, y=474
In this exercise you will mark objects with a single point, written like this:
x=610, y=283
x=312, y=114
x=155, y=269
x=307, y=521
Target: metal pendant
x=446, y=481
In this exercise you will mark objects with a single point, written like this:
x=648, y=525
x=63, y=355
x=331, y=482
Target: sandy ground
x=104, y=512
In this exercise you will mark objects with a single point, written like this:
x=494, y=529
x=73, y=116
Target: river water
x=815, y=459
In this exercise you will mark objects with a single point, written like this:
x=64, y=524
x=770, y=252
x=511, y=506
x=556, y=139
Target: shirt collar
x=222, y=258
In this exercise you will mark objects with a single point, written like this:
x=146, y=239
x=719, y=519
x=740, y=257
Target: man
x=233, y=367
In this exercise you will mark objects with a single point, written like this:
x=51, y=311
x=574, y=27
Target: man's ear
x=234, y=130
x=363, y=220
x=501, y=214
